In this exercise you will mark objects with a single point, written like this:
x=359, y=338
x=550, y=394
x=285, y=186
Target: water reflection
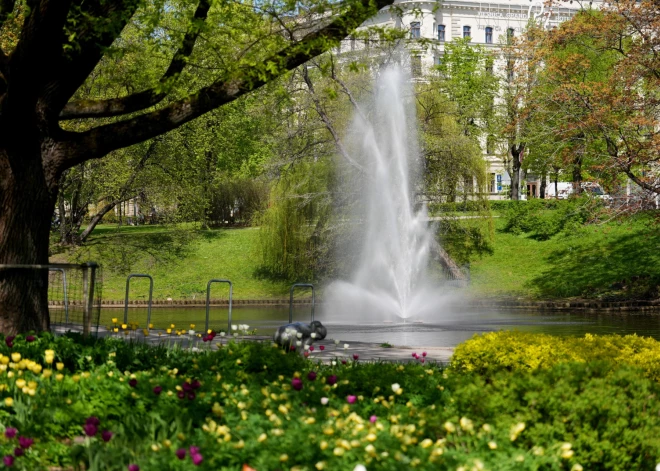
x=446, y=333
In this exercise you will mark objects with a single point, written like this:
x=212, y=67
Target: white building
x=485, y=23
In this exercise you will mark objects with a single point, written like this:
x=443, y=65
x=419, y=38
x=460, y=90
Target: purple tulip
x=422, y=360
x=132, y=382
x=30, y=338
x=373, y=419
x=8, y=460
x=90, y=430
x=355, y=357
x=423, y=354
x=311, y=376
x=180, y=453
x=292, y=348
x=195, y=384
x=194, y=450
x=158, y=390
x=93, y=421
x=10, y=432
x=133, y=467
x=297, y=384
x=187, y=386
x=191, y=395
x=197, y=459
x=332, y=379
x=106, y=435
x=25, y=442
x=9, y=340
x=351, y=399
x=311, y=348
x=321, y=347
x=414, y=355
x=181, y=394
x=18, y=452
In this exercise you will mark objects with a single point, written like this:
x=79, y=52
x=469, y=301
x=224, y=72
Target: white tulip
x=306, y=347
x=324, y=401
x=360, y=467
x=234, y=327
x=298, y=343
x=337, y=341
x=222, y=334
x=313, y=335
x=396, y=387
x=191, y=332
x=345, y=346
x=334, y=363
x=299, y=335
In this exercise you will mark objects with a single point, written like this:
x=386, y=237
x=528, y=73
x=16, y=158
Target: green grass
x=180, y=259
x=610, y=261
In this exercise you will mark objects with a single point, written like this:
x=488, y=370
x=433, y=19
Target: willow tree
x=54, y=52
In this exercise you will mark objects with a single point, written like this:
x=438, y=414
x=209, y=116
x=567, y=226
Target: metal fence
x=74, y=293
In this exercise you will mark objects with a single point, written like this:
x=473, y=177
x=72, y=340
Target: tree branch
x=99, y=141
x=328, y=123
x=147, y=98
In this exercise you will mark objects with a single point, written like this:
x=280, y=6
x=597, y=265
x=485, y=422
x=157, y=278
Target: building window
x=438, y=60
x=509, y=70
x=441, y=33
x=490, y=144
x=415, y=32
x=489, y=35
x=510, y=33
x=467, y=32
x=416, y=66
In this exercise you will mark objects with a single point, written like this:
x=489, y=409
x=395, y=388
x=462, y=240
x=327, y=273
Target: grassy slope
x=609, y=261
x=180, y=260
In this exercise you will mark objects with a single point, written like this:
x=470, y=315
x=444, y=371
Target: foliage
x=534, y=218
x=254, y=404
x=519, y=351
x=466, y=240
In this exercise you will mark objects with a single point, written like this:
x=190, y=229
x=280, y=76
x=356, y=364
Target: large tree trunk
x=26, y=206
x=544, y=184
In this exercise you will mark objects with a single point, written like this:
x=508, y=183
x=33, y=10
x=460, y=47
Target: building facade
x=487, y=24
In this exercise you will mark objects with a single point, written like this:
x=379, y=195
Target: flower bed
x=68, y=402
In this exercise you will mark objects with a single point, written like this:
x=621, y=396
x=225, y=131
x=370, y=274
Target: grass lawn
x=180, y=259
x=610, y=261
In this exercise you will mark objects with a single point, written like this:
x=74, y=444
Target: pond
x=446, y=331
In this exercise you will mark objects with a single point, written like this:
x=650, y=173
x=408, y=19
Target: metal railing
x=64, y=288
x=300, y=285
x=151, y=292
x=85, y=287
x=208, y=302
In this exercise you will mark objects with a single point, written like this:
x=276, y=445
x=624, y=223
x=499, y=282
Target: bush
x=517, y=351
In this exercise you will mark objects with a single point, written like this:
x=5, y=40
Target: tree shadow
x=620, y=267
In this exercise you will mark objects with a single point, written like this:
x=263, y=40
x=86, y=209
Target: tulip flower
x=180, y=453
x=90, y=430
x=337, y=341
x=297, y=384
x=106, y=435
x=133, y=467
x=181, y=394
x=93, y=421
x=8, y=460
x=18, y=452
x=351, y=399
x=194, y=450
x=321, y=347
x=10, y=432
x=30, y=338
x=158, y=390
x=324, y=401
x=197, y=459
x=9, y=340
x=25, y=442
x=311, y=348
x=355, y=357
x=332, y=379
x=423, y=354
x=373, y=419
x=132, y=382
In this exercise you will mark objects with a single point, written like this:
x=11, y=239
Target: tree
x=52, y=48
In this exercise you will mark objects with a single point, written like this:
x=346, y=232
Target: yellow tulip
x=15, y=357
x=9, y=401
x=59, y=366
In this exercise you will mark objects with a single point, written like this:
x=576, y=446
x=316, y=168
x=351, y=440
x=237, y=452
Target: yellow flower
x=262, y=437
x=145, y=332
x=320, y=465
x=516, y=430
x=15, y=357
x=577, y=467
x=427, y=442
x=59, y=366
x=283, y=456
x=151, y=326
x=192, y=326
x=20, y=383
x=492, y=445
x=169, y=331
x=114, y=320
x=567, y=454
x=449, y=427
x=371, y=437
x=323, y=445
x=116, y=329
x=9, y=401
x=47, y=373
x=171, y=326
x=36, y=368
x=124, y=326
x=466, y=424
x=75, y=378
x=338, y=451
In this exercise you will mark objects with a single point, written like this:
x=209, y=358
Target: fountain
x=390, y=281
